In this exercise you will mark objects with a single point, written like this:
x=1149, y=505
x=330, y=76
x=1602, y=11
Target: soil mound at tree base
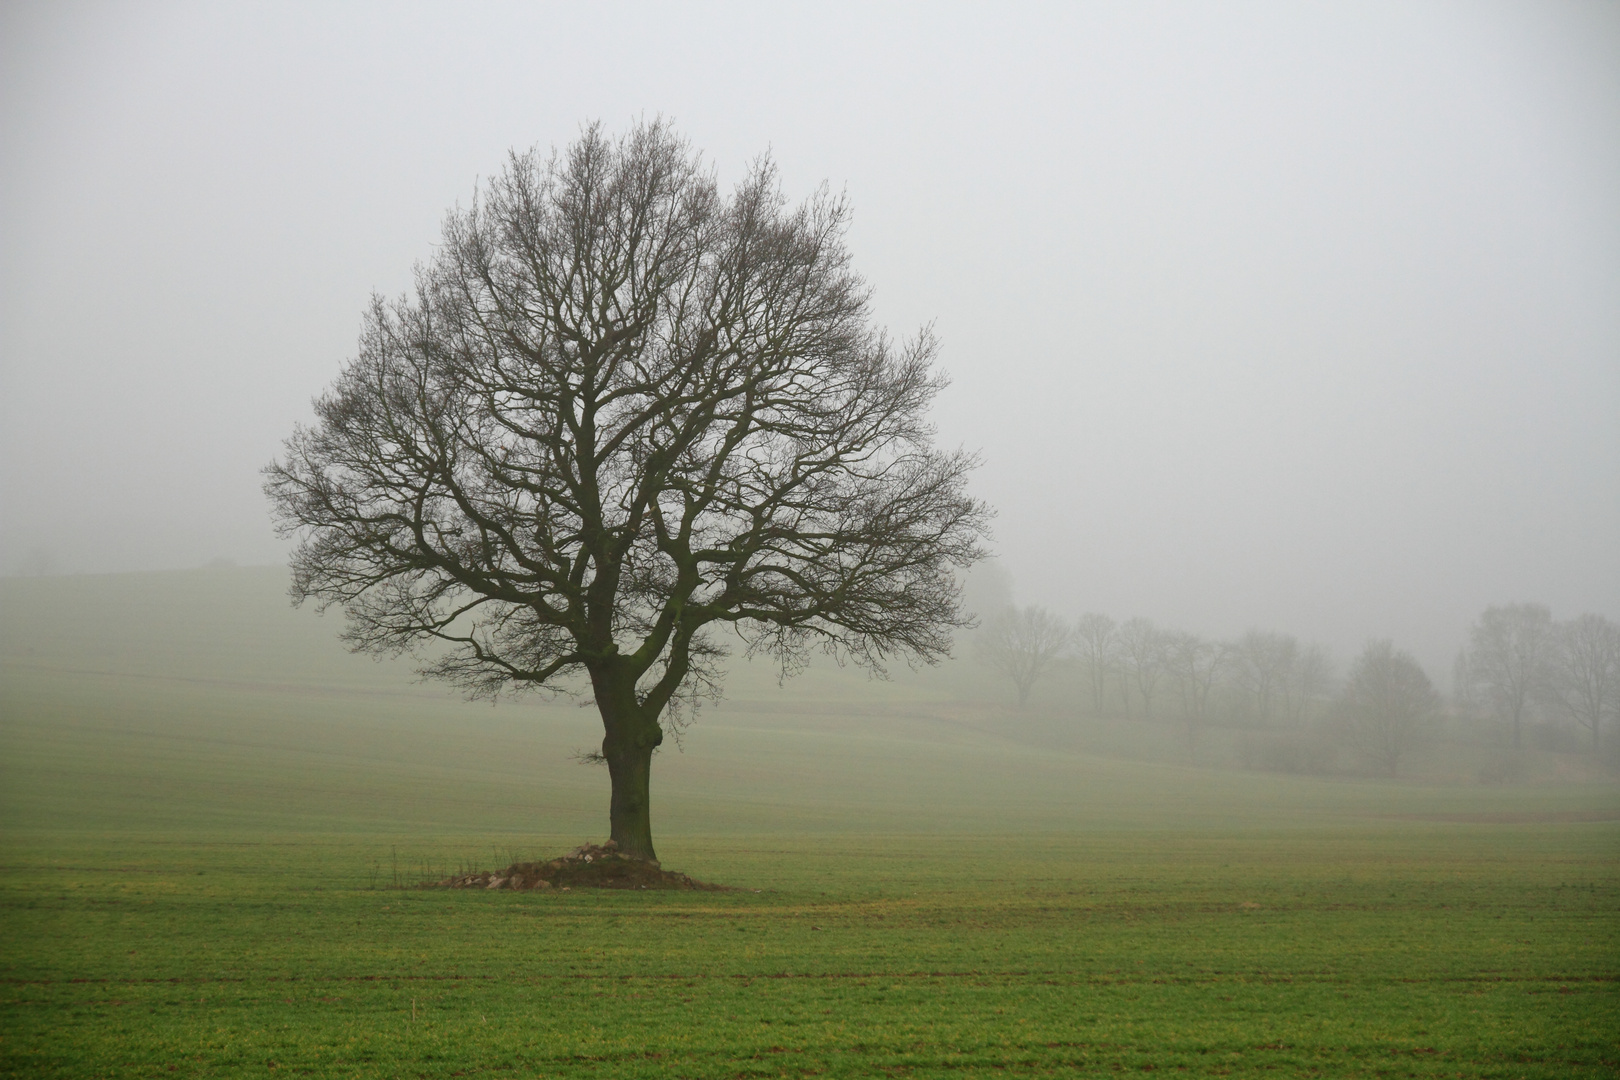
x=588, y=866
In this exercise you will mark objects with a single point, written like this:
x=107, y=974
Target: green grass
x=204, y=803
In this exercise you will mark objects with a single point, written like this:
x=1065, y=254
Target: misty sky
x=1298, y=316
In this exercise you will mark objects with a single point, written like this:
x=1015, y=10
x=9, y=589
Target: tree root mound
x=588, y=866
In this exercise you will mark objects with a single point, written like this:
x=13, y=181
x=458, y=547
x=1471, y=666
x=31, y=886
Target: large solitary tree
x=620, y=413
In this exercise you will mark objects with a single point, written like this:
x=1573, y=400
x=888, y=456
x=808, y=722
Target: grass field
x=205, y=803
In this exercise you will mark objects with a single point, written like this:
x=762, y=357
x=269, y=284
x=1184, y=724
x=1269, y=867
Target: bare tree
x=621, y=410
x=1261, y=663
x=1142, y=660
x=1387, y=705
x=1309, y=679
x=1195, y=665
x=1095, y=636
x=1505, y=664
x=1584, y=672
x=1022, y=643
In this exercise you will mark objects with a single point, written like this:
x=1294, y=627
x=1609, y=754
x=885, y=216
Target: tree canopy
x=621, y=410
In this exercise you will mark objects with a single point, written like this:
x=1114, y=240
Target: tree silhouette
x=1583, y=677
x=1506, y=662
x=619, y=411
x=1021, y=644
x=1387, y=704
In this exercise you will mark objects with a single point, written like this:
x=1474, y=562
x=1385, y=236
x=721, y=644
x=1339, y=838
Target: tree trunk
x=630, y=813
x=630, y=738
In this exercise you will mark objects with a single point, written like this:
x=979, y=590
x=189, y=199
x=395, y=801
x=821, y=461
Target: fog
x=1303, y=317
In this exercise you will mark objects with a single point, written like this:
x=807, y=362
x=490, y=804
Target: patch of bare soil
x=588, y=866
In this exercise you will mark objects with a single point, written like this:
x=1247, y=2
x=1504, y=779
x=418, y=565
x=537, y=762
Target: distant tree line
x=1519, y=667
x=1140, y=670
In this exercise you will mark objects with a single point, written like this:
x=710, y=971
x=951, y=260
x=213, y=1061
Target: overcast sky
x=1298, y=316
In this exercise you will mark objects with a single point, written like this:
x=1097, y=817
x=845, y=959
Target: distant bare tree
x=1142, y=660
x=1387, y=705
x=1308, y=679
x=1261, y=663
x=1505, y=664
x=1195, y=665
x=1022, y=643
x=1583, y=677
x=1095, y=637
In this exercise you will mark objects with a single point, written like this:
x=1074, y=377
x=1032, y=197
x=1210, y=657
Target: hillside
x=201, y=700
